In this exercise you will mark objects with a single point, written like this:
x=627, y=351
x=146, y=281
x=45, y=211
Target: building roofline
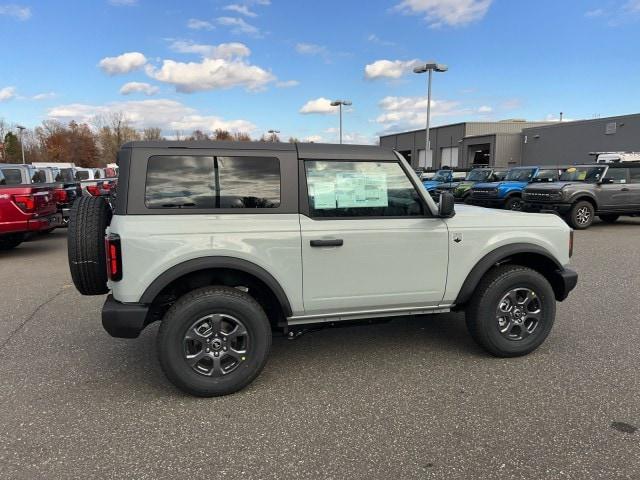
x=503, y=122
x=586, y=120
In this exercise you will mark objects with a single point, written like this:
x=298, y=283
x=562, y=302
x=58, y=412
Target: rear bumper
x=567, y=281
x=538, y=207
x=124, y=320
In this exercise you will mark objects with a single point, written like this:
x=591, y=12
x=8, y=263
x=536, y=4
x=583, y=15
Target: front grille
x=484, y=192
x=540, y=196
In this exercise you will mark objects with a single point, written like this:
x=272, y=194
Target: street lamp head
x=20, y=127
x=346, y=102
x=273, y=131
x=336, y=103
x=436, y=67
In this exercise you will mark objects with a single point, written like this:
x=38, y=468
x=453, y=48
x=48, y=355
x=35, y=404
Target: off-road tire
x=89, y=218
x=581, y=215
x=612, y=218
x=211, y=301
x=12, y=240
x=481, y=317
x=513, y=203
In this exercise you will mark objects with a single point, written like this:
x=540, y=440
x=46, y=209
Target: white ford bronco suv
x=228, y=242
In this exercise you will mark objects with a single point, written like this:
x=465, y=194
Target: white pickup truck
x=226, y=242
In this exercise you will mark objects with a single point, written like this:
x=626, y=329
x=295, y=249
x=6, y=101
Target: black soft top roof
x=326, y=151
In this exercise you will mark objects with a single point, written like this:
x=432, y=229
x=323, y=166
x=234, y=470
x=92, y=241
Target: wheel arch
x=585, y=197
x=528, y=255
x=228, y=271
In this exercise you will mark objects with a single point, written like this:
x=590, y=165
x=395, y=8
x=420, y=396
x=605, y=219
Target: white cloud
x=127, y=62
x=169, y=115
x=633, y=5
x=241, y=9
x=311, y=49
x=411, y=112
x=239, y=26
x=139, y=87
x=447, y=12
x=485, y=109
x=224, y=50
x=123, y=3
x=16, y=11
x=211, y=74
x=44, y=96
x=373, y=38
x=389, y=68
x=222, y=66
x=7, y=93
x=319, y=105
x=598, y=12
x=287, y=84
x=196, y=24
x=314, y=139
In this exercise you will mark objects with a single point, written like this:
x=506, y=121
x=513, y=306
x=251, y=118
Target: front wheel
x=512, y=311
x=514, y=203
x=214, y=341
x=581, y=215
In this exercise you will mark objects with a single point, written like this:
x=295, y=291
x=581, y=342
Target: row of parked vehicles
x=577, y=193
x=37, y=198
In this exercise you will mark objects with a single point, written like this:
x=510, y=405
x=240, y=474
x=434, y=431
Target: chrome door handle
x=338, y=242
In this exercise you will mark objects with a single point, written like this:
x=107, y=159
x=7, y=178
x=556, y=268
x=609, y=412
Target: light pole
x=429, y=67
x=340, y=103
x=273, y=134
x=21, y=128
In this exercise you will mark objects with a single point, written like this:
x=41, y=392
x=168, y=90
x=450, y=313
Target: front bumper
x=494, y=202
x=567, y=280
x=124, y=320
x=542, y=207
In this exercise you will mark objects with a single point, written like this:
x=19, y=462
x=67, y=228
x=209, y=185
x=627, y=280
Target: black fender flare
x=579, y=196
x=205, y=263
x=493, y=258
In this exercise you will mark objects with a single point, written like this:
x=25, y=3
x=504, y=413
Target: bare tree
x=152, y=133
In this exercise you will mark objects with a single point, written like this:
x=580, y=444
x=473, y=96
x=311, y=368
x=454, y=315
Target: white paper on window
x=358, y=190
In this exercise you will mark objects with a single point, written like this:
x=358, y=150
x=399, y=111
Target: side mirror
x=447, y=205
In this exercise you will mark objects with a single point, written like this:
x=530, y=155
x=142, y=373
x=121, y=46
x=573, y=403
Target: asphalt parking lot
x=412, y=398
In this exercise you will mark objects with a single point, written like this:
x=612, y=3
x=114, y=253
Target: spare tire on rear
x=88, y=220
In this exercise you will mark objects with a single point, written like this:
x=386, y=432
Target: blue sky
x=255, y=65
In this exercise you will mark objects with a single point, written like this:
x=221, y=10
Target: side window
x=618, y=175
x=38, y=176
x=82, y=175
x=634, y=175
x=96, y=174
x=360, y=189
x=201, y=182
x=12, y=176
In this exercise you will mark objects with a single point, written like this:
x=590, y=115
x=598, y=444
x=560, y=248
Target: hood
x=430, y=184
x=554, y=186
x=470, y=216
x=466, y=184
x=488, y=185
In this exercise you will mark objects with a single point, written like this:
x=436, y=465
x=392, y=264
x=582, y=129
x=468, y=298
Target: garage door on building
x=449, y=157
x=423, y=161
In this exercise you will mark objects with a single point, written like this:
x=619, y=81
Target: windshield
x=582, y=174
x=442, y=176
x=478, y=175
x=65, y=175
x=520, y=175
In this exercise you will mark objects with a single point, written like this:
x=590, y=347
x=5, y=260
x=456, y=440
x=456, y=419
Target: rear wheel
x=90, y=217
x=512, y=311
x=513, y=203
x=214, y=341
x=581, y=215
x=12, y=240
x=609, y=218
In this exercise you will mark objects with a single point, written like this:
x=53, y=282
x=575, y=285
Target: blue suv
x=442, y=177
x=507, y=194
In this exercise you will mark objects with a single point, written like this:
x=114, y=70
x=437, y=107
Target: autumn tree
x=12, y=148
x=241, y=137
x=221, y=134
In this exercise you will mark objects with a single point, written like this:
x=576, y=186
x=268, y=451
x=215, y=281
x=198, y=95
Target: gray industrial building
x=571, y=142
x=517, y=142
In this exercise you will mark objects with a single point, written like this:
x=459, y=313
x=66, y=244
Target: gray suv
x=584, y=191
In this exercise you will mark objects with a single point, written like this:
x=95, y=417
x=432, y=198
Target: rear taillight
x=106, y=186
x=60, y=195
x=114, y=257
x=26, y=203
x=94, y=190
x=571, y=244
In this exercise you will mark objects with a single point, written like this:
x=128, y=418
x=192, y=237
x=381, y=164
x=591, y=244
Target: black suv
x=584, y=191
